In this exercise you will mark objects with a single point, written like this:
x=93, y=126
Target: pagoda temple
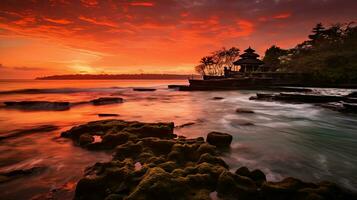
x=249, y=61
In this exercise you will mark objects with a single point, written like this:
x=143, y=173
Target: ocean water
x=300, y=140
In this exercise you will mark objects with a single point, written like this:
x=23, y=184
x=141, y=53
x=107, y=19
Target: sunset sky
x=46, y=37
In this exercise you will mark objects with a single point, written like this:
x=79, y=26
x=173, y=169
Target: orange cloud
x=282, y=16
x=122, y=36
x=90, y=3
x=103, y=22
x=246, y=28
x=144, y=4
x=58, y=21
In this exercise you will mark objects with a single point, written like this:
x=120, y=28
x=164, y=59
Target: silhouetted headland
x=117, y=76
x=326, y=59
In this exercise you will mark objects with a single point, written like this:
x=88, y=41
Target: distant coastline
x=117, y=76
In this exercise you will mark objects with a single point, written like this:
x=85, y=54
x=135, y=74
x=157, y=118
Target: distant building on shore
x=249, y=62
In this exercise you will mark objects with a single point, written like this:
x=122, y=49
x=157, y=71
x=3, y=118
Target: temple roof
x=249, y=53
x=249, y=61
x=249, y=57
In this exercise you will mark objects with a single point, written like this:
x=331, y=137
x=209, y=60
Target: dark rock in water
x=333, y=106
x=218, y=98
x=106, y=100
x=85, y=139
x=38, y=105
x=17, y=133
x=243, y=171
x=9, y=176
x=243, y=110
x=115, y=132
x=350, y=100
x=256, y=175
x=241, y=122
x=353, y=94
x=232, y=186
x=219, y=139
x=107, y=115
x=292, y=89
x=305, y=98
x=175, y=86
x=113, y=139
x=263, y=96
x=144, y=89
x=186, y=124
x=298, y=98
x=350, y=107
x=289, y=187
x=177, y=168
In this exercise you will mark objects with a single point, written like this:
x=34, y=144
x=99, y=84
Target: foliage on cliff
x=329, y=55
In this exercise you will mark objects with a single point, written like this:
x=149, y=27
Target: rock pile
x=150, y=162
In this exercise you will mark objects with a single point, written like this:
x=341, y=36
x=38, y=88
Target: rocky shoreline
x=151, y=162
x=346, y=104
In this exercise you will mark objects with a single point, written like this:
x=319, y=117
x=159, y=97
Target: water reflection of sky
x=299, y=140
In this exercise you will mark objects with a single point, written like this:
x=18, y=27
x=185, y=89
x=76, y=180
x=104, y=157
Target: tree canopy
x=330, y=54
x=213, y=65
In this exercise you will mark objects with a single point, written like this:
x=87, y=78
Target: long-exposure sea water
x=282, y=139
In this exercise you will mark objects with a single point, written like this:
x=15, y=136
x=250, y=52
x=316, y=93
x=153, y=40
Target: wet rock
x=160, y=146
x=144, y=89
x=38, y=105
x=129, y=149
x=219, y=139
x=243, y=110
x=112, y=140
x=175, y=86
x=241, y=122
x=306, y=98
x=206, y=148
x=333, y=106
x=350, y=107
x=258, y=176
x=106, y=101
x=11, y=175
x=243, y=171
x=292, y=89
x=352, y=94
x=172, y=168
x=263, y=96
x=112, y=131
x=208, y=158
x=186, y=124
x=85, y=139
x=232, y=186
x=298, y=98
x=18, y=133
x=107, y=115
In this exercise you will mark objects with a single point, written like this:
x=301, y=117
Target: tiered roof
x=249, y=57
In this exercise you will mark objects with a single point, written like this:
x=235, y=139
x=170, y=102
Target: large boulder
x=163, y=167
x=219, y=139
x=117, y=132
